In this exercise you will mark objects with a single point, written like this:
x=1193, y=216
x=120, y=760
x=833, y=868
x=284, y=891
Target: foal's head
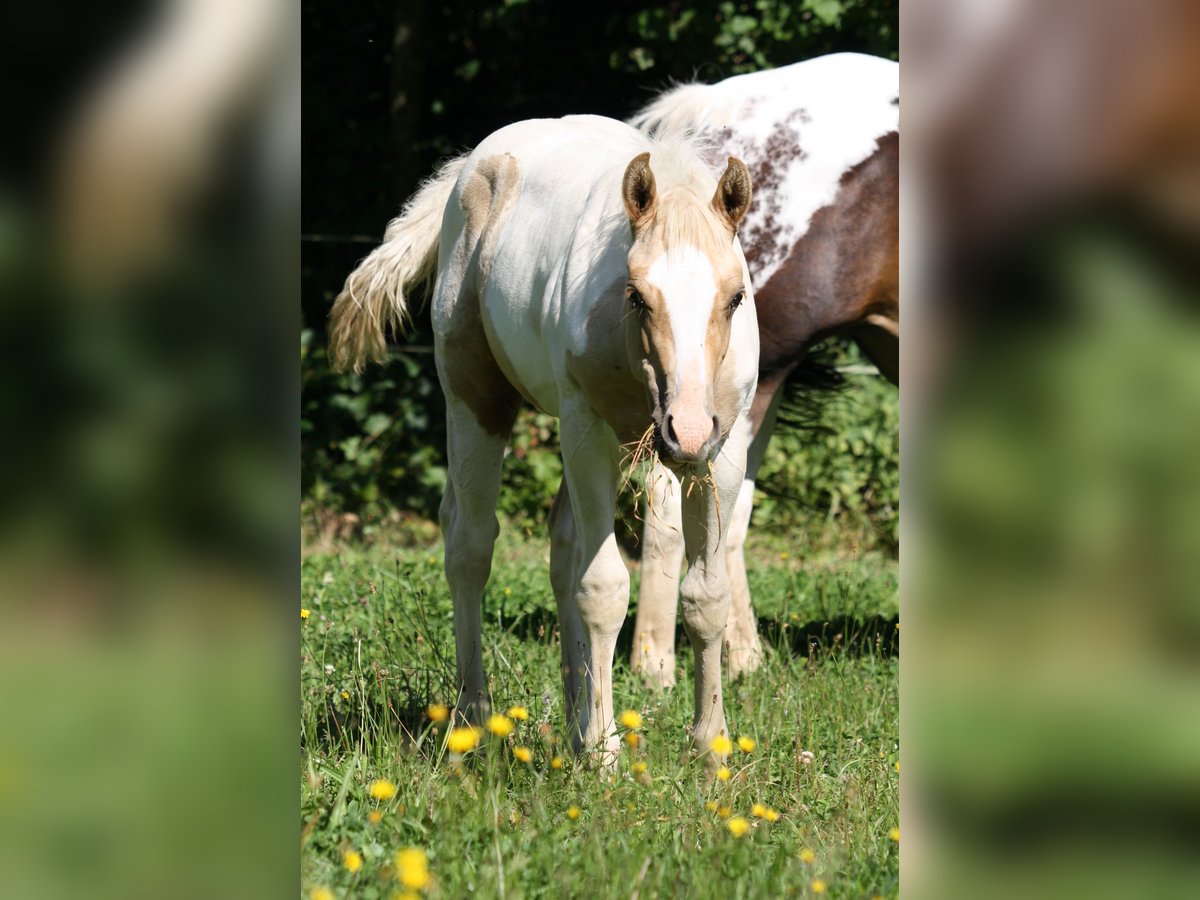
x=686, y=282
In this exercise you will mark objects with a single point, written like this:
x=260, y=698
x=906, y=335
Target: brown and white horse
x=596, y=273
x=821, y=140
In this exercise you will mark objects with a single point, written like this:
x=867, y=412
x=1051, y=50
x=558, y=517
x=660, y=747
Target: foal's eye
x=736, y=300
x=635, y=299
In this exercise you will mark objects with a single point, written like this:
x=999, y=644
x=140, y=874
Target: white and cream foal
x=596, y=274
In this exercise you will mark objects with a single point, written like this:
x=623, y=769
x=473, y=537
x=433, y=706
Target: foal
x=596, y=274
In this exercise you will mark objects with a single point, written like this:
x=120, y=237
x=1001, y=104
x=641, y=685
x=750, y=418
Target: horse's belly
x=520, y=351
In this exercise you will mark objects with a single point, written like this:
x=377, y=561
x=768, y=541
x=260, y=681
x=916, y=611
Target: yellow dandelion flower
x=783, y=555
x=633, y=739
x=462, y=740
x=772, y=815
x=519, y=713
x=524, y=754
x=758, y=811
x=721, y=744
x=304, y=614
x=710, y=805
x=556, y=763
x=437, y=712
x=508, y=592
x=723, y=773
x=345, y=695
x=724, y=812
x=738, y=826
x=639, y=768
x=573, y=812
x=807, y=856
x=631, y=718
x=817, y=886
x=321, y=893
x=375, y=817
x=382, y=789
x=412, y=868
x=897, y=765
x=894, y=834
x=352, y=860
x=499, y=725
x=406, y=895
x=747, y=744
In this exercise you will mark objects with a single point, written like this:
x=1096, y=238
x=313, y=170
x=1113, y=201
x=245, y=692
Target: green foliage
x=748, y=35
x=844, y=468
x=371, y=442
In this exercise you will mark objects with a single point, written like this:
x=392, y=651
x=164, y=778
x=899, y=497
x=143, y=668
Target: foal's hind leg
x=595, y=605
x=475, y=451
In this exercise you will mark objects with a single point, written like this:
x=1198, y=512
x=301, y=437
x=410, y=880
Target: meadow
x=809, y=805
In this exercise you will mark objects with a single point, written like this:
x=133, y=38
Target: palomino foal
x=821, y=140
x=597, y=274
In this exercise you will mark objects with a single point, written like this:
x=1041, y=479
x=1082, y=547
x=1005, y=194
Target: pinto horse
x=822, y=241
x=595, y=273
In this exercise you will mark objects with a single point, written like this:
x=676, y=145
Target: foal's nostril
x=716, y=430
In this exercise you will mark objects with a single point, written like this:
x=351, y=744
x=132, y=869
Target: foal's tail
x=372, y=303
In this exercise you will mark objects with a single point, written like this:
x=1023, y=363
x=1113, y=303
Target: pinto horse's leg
x=662, y=555
x=469, y=528
x=596, y=596
x=707, y=508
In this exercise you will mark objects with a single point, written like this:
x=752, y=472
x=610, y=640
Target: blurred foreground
x=1051, y=593
x=147, y=508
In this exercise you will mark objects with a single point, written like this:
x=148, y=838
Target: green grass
x=378, y=647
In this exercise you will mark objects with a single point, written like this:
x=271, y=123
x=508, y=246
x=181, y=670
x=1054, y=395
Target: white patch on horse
x=684, y=276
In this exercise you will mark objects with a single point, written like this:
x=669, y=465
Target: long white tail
x=372, y=302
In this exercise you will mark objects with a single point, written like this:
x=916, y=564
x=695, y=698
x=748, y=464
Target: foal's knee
x=705, y=603
x=603, y=595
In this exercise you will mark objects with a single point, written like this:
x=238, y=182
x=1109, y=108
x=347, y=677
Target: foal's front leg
x=653, y=654
x=705, y=590
x=593, y=609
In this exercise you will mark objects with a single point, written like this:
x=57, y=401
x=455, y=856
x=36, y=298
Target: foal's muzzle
x=681, y=445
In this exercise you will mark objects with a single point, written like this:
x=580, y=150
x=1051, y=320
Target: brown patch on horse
x=843, y=275
x=472, y=371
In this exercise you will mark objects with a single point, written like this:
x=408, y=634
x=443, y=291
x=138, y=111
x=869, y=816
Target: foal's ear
x=637, y=190
x=732, y=198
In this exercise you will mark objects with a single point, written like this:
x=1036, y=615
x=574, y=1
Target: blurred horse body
x=821, y=140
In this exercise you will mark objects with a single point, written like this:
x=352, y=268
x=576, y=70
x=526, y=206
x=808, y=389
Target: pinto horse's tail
x=373, y=301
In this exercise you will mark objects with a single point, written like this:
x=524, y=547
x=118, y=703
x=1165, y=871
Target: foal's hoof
x=656, y=667
x=603, y=755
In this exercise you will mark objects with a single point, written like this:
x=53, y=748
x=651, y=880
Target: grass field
x=377, y=649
